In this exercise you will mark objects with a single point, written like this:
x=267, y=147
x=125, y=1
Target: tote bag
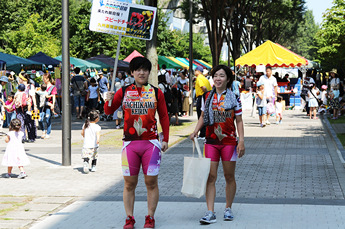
x=195, y=173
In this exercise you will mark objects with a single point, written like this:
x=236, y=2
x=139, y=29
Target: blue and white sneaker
x=209, y=218
x=228, y=215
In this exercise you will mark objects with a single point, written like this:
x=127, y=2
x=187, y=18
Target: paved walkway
x=290, y=177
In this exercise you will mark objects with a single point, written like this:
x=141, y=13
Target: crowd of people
x=326, y=98
x=142, y=144
x=32, y=104
x=136, y=101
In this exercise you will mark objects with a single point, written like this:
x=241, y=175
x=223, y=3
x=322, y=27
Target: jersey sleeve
x=115, y=103
x=163, y=115
x=238, y=107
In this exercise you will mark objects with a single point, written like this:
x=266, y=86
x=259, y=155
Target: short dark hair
x=43, y=86
x=228, y=73
x=269, y=67
x=279, y=98
x=77, y=70
x=21, y=87
x=164, y=66
x=184, y=72
x=11, y=94
x=140, y=63
x=162, y=79
x=93, y=80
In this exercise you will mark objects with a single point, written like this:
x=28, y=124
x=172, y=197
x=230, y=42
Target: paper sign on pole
x=122, y=18
x=260, y=68
x=57, y=73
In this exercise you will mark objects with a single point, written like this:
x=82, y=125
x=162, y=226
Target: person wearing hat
x=24, y=114
x=3, y=82
x=335, y=85
x=202, y=85
x=103, y=85
x=79, y=86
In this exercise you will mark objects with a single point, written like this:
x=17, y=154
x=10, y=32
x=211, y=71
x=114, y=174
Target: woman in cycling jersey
x=220, y=109
x=139, y=102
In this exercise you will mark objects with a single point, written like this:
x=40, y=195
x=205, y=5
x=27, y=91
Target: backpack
x=341, y=90
x=24, y=101
x=167, y=94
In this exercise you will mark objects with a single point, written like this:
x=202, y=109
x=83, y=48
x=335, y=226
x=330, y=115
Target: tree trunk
x=151, y=48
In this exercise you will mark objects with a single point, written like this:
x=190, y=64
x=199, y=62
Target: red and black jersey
x=139, y=109
x=223, y=131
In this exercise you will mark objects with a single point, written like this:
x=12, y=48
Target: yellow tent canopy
x=271, y=54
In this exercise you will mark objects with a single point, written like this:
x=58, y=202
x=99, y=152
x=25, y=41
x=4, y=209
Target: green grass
x=341, y=137
x=341, y=120
x=15, y=205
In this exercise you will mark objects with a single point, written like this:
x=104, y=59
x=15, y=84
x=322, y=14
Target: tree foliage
x=216, y=16
x=34, y=36
x=30, y=26
x=276, y=20
x=303, y=42
x=176, y=43
x=331, y=37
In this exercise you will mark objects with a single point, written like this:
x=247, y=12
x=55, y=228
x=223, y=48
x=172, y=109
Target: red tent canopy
x=135, y=53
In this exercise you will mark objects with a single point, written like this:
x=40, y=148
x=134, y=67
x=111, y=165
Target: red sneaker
x=129, y=222
x=149, y=222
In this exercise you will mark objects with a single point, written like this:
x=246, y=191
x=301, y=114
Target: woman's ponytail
x=87, y=123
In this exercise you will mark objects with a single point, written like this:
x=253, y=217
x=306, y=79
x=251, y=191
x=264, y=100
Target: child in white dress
x=91, y=133
x=279, y=111
x=15, y=153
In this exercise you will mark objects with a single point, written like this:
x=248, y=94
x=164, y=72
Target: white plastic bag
x=195, y=174
x=270, y=108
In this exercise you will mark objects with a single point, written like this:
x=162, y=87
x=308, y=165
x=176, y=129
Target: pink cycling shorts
x=227, y=152
x=141, y=152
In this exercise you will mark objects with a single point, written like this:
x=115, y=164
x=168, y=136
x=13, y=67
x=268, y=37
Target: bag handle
x=77, y=85
x=317, y=99
x=196, y=144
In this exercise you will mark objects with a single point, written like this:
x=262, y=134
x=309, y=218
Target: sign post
x=123, y=19
x=115, y=66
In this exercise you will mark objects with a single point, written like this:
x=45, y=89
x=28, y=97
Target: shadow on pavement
x=43, y=159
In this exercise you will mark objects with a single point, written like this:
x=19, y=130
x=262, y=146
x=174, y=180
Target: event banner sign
x=122, y=18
